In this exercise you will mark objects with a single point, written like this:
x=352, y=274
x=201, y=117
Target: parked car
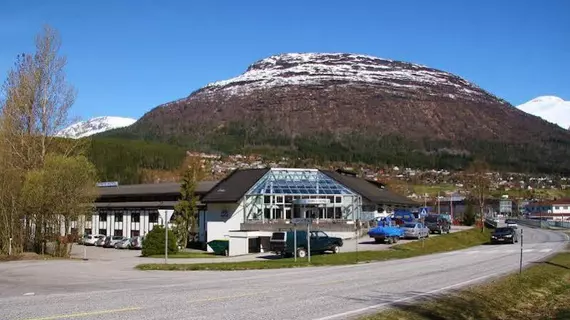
x=415, y=230
x=511, y=223
x=90, y=239
x=112, y=240
x=437, y=223
x=386, y=232
x=123, y=244
x=283, y=243
x=505, y=235
x=136, y=243
x=101, y=241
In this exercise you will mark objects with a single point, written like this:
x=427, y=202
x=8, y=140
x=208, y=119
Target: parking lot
x=130, y=258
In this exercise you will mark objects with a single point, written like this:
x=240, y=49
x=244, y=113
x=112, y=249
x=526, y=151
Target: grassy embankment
x=443, y=243
x=540, y=292
x=186, y=255
x=28, y=256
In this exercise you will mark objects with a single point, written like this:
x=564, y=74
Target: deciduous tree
x=187, y=207
x=477, y=183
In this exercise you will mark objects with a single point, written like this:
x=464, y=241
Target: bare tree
x=34, y=104
x=477, y=183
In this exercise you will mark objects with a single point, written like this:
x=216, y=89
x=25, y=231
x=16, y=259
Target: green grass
x=540, y=292
x=186, y=255
x=443, y=243
x=432, y=190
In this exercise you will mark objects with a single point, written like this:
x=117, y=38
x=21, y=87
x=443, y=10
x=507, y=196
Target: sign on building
x=107, y=184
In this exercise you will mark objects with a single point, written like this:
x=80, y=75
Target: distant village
x=414, y=183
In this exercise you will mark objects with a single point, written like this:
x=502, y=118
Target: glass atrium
x=284, y=194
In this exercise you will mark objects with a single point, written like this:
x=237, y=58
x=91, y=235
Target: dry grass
x=540, y=292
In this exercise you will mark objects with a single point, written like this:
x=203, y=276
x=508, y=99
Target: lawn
x=443, y=243
x=186, y=255
x=540, y=292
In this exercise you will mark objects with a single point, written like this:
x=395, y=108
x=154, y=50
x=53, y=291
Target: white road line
x=357, y=311
x=545, y=250
x=528, y=250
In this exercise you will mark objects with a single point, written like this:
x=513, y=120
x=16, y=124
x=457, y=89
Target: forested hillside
x=124, y=160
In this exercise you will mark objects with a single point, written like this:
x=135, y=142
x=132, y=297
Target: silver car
x=415, y=230
x=123, y=244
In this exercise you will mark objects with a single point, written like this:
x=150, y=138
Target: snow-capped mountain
x=550, y=108
x=93, y=126
x=310, y=69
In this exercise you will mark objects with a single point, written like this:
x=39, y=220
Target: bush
x=469, y=216
x=153, y=243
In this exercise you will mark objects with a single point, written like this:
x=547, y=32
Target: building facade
x=262, y=200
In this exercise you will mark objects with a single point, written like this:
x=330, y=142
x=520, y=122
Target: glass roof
x=298, y=181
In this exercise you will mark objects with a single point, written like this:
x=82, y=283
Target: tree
x=186, y=211
x=57, y=194
x=34, y=104
x=469, y=215
x=477, y=183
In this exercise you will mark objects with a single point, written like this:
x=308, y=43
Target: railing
x=544, y=223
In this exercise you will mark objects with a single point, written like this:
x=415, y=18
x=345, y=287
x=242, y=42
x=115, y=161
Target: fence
x=544, y=223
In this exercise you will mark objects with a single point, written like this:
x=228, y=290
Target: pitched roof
x=234, y=186
x=561, y=201
x=152, y=188
x=369, y=189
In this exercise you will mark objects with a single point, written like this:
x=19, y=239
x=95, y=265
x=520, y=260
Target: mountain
x=350, y=107
x=93, y=126
x=550, y=108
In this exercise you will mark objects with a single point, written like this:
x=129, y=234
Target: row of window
x=135, y=216
x=563, y=208
x=116, y=232
x=289, y=199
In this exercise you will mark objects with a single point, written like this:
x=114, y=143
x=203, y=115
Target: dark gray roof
x=370, y=190
x=153, y=188
x=232, y=188
x=142, y=204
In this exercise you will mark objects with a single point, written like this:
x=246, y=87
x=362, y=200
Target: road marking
x=528, y=250
x=357, y=311
x=85, y=314
x=29, y=294
x=230, y=297
x=331, y=282
x=545, y=250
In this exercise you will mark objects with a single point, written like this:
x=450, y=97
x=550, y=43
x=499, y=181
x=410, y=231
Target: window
x=267, y=199
x=279, y=199
x=103, y=231
x=557, y=208
x=119, y=217
x=338, y=199
x=153, y=217
x=136, y=217
x=135, y=233
x=87, y=231
x=103, y=216
x=565, y=207
x=118, y=233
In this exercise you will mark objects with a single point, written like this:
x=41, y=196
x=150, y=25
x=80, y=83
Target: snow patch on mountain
x=342, y=68
x=93, y=126
x=550, y=108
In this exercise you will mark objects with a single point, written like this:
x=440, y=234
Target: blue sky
x=126, y=57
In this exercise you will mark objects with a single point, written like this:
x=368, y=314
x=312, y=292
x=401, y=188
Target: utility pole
x=521, y=260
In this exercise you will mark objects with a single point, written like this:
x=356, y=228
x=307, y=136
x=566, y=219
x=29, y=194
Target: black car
x=505, y=235
x=437, y=223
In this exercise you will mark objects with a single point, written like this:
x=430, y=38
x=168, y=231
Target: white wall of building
x=221, y=218
x=561, y=208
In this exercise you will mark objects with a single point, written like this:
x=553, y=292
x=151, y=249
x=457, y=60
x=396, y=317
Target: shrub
x=153, y=243
x=469, y=216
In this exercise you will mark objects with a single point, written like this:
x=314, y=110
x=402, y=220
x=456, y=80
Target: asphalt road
x=47, y=290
